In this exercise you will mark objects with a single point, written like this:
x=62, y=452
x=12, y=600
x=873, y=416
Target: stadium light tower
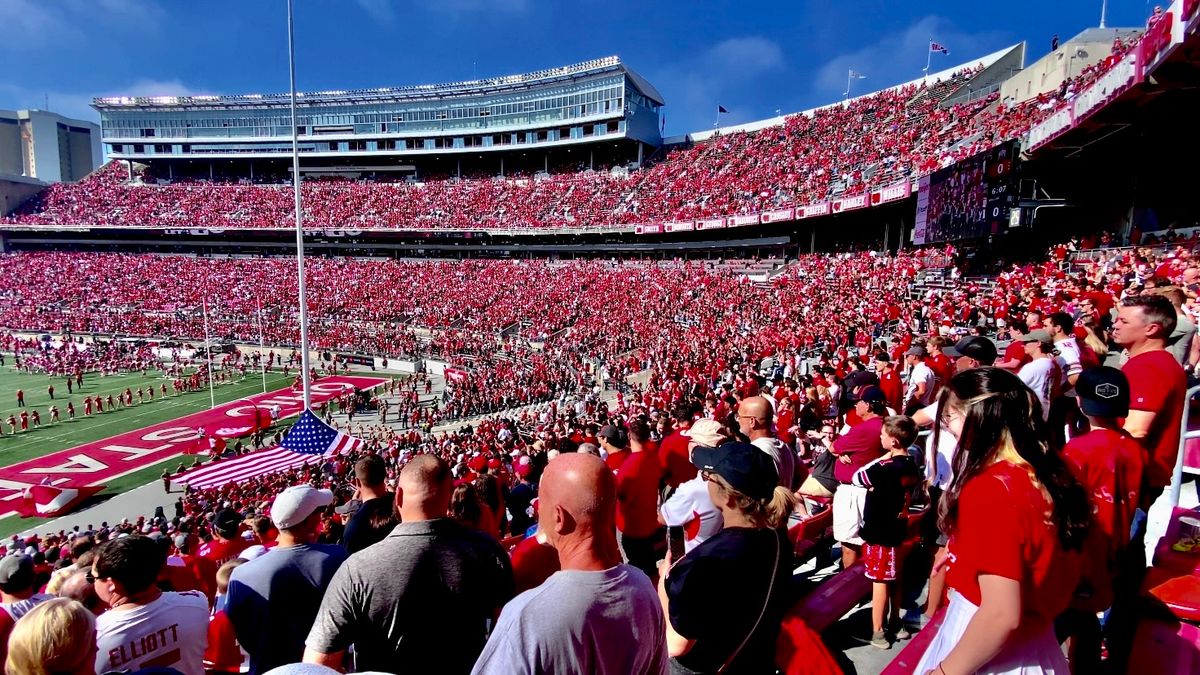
x=1103, y=11
x=303, y=299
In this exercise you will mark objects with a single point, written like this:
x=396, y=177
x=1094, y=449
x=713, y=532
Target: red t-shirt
x=893, y=389
x=678, y=466
x=1016, y=350
x=1004, y=528
x=533, y=563
x=862, y=444
x=942, y=367
x=637, y=494
x=1109, y=465
x=616, y=459
x=205, y=570
x=1158, y=384
x=221, y=552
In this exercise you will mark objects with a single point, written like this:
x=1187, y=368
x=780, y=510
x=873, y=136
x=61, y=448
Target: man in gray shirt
x=273, y=599
x=419, y=601
x=596, y=615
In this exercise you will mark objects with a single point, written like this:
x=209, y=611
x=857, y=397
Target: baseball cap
x=616, y=436
x=226, y=522
x=1038, y=335
x=872, y=394
x=1103, y=392
x=296, y=503
x=16, y=571
x=706, y=433
x=975, y=347
x=747, y=469
x=916, y=350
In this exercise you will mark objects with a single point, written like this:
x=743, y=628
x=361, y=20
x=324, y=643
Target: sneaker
x=879, y=639
x=900, y=631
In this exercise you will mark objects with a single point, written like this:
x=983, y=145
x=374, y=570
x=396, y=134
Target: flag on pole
x=935, y=47
x=721, y=110
x=856, y=75
x=311, y=436
x=51, y=501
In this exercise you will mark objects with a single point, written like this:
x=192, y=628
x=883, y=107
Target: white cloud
x=899, y=57
x=719, y=75
x=25, y=24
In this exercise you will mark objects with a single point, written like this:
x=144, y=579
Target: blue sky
x=752, y=57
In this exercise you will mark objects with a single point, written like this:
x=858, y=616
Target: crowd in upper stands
x=841, y=150
x=821, y=364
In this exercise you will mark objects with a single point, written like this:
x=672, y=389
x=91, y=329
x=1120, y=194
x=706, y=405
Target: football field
x=50, y=438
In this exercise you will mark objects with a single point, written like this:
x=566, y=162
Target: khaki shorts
x=813, y=488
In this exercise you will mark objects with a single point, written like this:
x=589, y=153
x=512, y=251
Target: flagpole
x=928, y=56
x=262, y=360
x=212, y=397
x=303, y=299
x=849, y=74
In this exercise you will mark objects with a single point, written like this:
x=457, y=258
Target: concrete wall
x=1048, y=73
x=15, y=190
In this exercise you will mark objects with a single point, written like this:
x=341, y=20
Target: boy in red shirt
x=637, y=501
x=1109, y=464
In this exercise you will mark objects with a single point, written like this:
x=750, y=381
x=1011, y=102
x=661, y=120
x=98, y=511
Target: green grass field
x=54, y=437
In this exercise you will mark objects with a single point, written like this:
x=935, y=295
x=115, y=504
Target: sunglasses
x=91, y=578
x=710, y=477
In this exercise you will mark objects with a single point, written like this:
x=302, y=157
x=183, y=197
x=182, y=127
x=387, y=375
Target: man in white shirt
x=921, y=380
x=144, y=626
x=690, y=506
x=756, y=419
x=1062, y=331
x=1042, y=374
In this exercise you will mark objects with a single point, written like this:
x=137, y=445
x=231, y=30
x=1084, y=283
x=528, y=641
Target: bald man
x=756, y=419
x=418, y=601
x=596, y=615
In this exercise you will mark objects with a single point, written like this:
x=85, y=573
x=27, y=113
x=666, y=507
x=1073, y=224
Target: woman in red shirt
x=1016, y=519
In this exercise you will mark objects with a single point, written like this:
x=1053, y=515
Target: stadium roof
x=392, y=94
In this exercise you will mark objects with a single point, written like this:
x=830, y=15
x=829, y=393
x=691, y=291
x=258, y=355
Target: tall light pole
x=304, y=368
x=1103, y=11
x=262, y=359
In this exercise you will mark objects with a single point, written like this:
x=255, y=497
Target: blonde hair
x=770, y=513
x=225, y=571
x=56, y=636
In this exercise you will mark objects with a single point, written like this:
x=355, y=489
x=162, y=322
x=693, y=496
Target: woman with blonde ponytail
x=725, y=599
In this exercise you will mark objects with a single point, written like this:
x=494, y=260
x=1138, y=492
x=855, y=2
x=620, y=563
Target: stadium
x=502, y=276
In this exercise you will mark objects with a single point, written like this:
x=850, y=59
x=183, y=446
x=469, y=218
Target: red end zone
x=107, y=459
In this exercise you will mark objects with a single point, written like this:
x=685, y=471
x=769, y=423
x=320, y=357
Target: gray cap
x=16, y=572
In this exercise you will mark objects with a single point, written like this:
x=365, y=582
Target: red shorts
x=880, y=562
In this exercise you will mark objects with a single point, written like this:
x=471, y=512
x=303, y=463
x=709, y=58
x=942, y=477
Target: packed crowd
x=756, y=407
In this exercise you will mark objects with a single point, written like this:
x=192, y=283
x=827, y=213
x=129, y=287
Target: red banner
x=740, y=221
x=648, y=229
x=849, y=203
x=1156, y=40
x=710, y=224
x=776, y=216
x=679, y=227
x=891, y=193
x=813, y=210
x=102, y=461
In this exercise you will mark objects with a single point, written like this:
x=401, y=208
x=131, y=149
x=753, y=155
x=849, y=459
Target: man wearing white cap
x=690, y=506
x=273, y=599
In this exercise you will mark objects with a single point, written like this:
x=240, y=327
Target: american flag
x=311, y=436
x=935, y=47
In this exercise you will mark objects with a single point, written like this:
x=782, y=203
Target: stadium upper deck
x=598, y=100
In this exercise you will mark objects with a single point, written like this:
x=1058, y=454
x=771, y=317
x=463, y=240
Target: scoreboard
x=969, y=200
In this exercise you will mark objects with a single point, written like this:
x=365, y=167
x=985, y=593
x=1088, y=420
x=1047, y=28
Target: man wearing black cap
x=1109, y=463
x=227, y=542
x=615, y=443
x=972, y=351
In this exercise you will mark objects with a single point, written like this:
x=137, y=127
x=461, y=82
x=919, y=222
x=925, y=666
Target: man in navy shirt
x=273, y=599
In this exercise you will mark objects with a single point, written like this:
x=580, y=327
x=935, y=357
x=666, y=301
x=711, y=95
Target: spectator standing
x=614, y=442
x=889, y=481
x=394, y=601
x=1014, y=354
x=143, y=624
x=921, y=381
x=1016, y=519
x=756, y=419
x=57, y=636
x=889, y=381
x=273, y=599
x=673, y=450
x=1110, y=464
x=17, y=594
x=227, y=542
x=725, y=600
x=374, y=518
x=689, y=506
x=1042, y=374
x=637, y=500
x=595, y=615
x=858, y=447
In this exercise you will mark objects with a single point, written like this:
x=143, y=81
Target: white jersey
x=691, y=507
x=170, y=632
